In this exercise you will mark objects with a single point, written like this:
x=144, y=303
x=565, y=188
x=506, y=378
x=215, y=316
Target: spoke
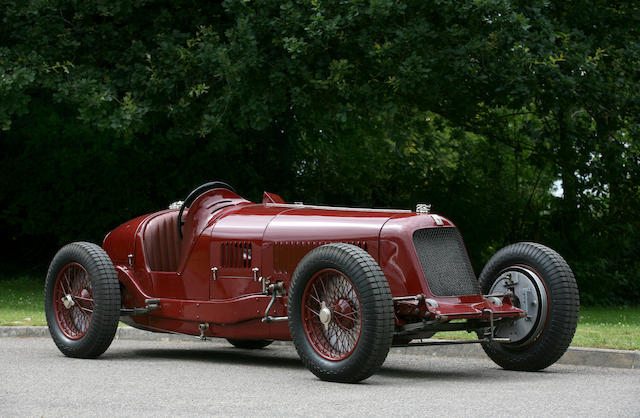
x=84, y=304
x=309, y=308
x=337, y=335
x=332, y=336
x=351, y=316
x=339, y=287
x=351, y=294
x=324, y=289
x=66, y=277
x=316, y=292
x=83, y=309
x=351, y=337
x=317, y=300
x=61, y=286
x=73, y=279
x=346, y=346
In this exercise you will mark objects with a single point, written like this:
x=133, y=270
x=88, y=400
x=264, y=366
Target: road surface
x=167, y=378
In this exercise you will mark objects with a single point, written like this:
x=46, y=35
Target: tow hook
x=203, y=327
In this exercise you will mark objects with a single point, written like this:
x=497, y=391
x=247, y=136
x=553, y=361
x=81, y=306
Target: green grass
x=22, y=303
x=609, y=328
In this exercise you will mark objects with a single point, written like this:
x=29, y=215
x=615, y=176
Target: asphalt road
x=162, y=378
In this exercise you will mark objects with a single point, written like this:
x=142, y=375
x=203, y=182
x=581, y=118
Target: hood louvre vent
x=236, y=254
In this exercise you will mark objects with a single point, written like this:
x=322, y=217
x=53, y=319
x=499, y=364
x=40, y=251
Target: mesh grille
x=445, y=262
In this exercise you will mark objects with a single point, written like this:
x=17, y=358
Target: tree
x=476, y=106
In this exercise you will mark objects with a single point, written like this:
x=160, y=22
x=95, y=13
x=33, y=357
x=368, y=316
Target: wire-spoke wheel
x=331, y=314
x=73, y=301
x=82, y=300
x=340, y=313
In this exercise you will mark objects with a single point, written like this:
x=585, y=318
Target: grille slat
x=445, y=262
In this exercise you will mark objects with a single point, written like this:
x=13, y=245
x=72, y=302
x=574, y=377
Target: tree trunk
x=567, y=163
x=613, y=175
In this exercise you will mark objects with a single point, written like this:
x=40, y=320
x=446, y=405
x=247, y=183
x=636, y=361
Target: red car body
x=213, y=275
x=344, y=284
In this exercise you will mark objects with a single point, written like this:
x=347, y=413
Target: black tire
x=556, y=313
x=249, y=344
x=84, y=273
x=360, y=313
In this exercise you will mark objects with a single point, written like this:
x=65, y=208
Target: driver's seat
x=161, y=242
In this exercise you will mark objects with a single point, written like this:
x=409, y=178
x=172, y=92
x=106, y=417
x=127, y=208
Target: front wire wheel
x=543, y=286
x=340, y=313
x=332, y=314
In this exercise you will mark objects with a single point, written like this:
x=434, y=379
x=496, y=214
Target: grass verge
x=609, y=328
x=22, y=303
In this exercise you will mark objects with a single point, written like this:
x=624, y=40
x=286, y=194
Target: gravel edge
x=577, y=356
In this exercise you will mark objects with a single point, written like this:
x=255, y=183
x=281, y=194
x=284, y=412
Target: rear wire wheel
x=340, y=313
x=73, y=301
x=82, y=300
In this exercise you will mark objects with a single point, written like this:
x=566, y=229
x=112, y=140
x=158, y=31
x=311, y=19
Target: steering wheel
x=194, y=194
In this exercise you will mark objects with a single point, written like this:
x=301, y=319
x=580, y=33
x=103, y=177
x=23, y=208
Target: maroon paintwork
x=224, y=231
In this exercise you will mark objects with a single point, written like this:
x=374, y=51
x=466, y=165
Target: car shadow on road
x=265, y=357
x=286, y=359
x=432, y=373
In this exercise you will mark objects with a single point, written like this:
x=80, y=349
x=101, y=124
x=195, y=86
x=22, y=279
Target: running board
x=150, y=305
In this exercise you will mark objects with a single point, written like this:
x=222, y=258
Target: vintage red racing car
x=345, y=284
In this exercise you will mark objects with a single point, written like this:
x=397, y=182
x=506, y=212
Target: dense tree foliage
x=109, y=109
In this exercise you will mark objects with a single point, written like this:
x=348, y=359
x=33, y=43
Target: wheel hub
x=529, y=295
x=67, y=301
x=325, y=315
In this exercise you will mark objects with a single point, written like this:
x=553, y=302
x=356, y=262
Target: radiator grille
x=445, y=262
